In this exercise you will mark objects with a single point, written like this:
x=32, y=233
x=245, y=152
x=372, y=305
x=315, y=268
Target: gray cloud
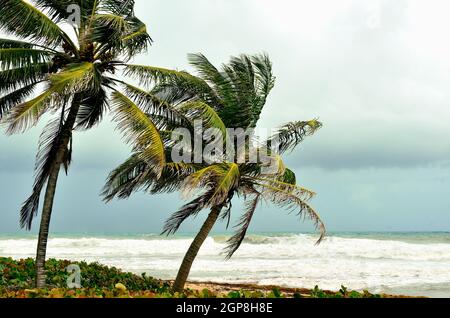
x=376, y=72
x=371, y=143
x=360, y=66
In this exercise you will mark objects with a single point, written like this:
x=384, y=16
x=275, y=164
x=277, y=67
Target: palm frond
x=191, y=209
x=200, y=110
x=217, y=79
x=118, y=7
x=148, y=75
x=55, y=9
x=76, y=78
x=236, y=240
x=92, y=109
x=142, y=97
x=222, y=178
x=109, y=29
x=242, y=86
x=48, y=146
x=137, y=40
x=153, y=105
x=278, y=162
x=174, y=94
x=292, y=134
x=240, y=102
x=284, y=198
x=14, y=44
x=27, y=114
x=16, y=78
x=301, y=192
x=226, y=185
x=202, y=178
x=14, y=98
x=264, y=81
x=125, y=179
x=135, y=174
x=20, y=18
x=173, y=177
x=22, y=57
x=140, y=131
x=206, y=69
x=176, y=81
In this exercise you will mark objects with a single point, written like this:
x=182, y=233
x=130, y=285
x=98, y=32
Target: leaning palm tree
x=45, y=69
x=234, y=98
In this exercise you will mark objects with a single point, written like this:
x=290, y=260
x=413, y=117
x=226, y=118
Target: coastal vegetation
x=17, y=281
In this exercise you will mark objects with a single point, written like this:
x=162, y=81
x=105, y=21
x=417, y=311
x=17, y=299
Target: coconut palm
x=65, y=70
x=234, y=98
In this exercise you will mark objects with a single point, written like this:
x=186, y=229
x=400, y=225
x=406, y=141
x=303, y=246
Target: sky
x=375, y=72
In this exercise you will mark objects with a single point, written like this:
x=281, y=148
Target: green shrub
x=99, y=281
x=21, y=274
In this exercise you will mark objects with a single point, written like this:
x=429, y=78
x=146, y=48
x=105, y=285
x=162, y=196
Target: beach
x=411, y=264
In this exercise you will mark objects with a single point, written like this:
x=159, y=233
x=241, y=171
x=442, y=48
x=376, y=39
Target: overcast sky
x=376, y=73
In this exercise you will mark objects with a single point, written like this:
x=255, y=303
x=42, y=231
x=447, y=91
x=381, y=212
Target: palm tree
x=232, y=97
x=44, y=70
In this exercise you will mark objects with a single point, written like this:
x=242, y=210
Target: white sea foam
x=294, y=260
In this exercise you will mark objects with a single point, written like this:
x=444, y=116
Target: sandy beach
x=222, y=288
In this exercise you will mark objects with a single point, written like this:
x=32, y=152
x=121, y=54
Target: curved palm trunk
x=192, y=252
x=66, y=134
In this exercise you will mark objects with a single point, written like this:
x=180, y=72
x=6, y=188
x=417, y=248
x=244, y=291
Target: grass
x=99, y=281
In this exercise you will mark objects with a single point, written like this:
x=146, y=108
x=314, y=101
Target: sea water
x=398, y=263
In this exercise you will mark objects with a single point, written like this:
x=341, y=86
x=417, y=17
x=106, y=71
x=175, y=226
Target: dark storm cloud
x=375, y=72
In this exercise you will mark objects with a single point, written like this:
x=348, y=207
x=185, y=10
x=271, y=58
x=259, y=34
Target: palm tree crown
x=58, y=70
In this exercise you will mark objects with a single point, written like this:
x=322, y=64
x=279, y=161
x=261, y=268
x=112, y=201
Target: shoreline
x=225, y=288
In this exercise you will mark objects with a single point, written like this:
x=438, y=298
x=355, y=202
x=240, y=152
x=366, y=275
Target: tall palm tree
x=45, y=69
x=230, y=98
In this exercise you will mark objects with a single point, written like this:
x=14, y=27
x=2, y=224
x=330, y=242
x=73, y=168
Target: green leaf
x=10, y=44
x=22, y=57
x=109, y=28
x=287, y=197
x=27, y=114
x=179, y=82
x=292, y=134
x=220, y=178
x=153, y=105
x=14, y=98
x=20, y=18
x=76, y=78
x=118, y=7
x=140, y=131
x=16, y=78
x=137, y=40
x=200, y=110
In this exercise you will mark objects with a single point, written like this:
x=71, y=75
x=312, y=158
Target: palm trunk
x=66, y=134
x=192, y=252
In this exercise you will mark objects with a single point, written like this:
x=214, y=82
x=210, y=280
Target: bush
x=21, y=274
x=98, y=281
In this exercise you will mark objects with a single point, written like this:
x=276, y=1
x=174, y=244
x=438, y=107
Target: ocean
x=416, y=264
